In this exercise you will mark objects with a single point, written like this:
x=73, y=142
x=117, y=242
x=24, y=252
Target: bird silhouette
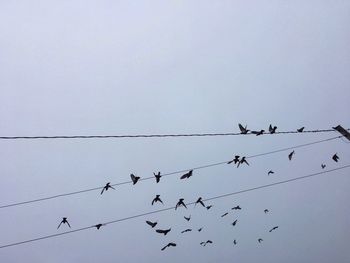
x=272, y=130
x=243, y=130
x=106, y=187
x=169, y=245
x=98, y=226
x=236, y=208
x=234, y=160
x=64, y=221
x=163, y=231
x=186, y=230
x=180, y=203
x=290, y=156
x=157, y=176
x=200, y=229
x=199, y=201
x=266, y=211
x=152, y=224
x=273, y=228
x=234, y=222
x=323, y=166
x=335, y=158
x=134, y=178
x=206, y=242
x=270, y=172
x=188, y=218
x=257, y=133
x=187, y=175
x=234, y=242
x=157, y=199
x=224, y=214
x=208, y=207
x=300, y=129
x=260, y=240
x=243, y=160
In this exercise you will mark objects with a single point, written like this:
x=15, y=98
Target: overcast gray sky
x=116, y=67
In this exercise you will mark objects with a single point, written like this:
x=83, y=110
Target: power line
x=153, y=135
x=163, y=175
x=170, y=208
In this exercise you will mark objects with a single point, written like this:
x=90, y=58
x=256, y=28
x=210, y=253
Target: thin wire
x=153, y=135
x=170, y=208
x=163, y=175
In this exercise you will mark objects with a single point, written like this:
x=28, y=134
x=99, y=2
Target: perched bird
x=98, y=226
x=169, y=245
x=200, y=229
x=323, y=166
x=186, y=230
x=208, y=207
x=270, y=172
x=272, y=130
x=180, y=203
x=64, y=221
x=234, y=222
x=266, y=211
x=335, y=157
x=224, y=214
x=236, y=208
x=234, y=242
x=106, y=187
x=300, y=129
x=199, y=201
x=134, y=178
x=163, y=231
x=235, y=160
x=157, y=176
x=157, y=199
x=290, y=156
x=273, y=228
x=243, y=160
x=152, y=224
x=260, y=240
x=243, y=130
x=187, y=175
x=257, y=133
x=188, y=218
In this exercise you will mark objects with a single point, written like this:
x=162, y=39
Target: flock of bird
x=237, y=160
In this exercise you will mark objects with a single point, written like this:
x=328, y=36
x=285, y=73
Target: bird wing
x=160, y=231
x=184, y=176
x=103, y=189
x=68, y=224
x=172, y=244
x=241, y=127
x=59, y=225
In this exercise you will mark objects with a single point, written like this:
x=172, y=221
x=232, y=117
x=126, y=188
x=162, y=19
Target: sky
x=158, y=67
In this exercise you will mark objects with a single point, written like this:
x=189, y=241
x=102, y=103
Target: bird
x=266, y=211
x=152, y=224
x=134, y=178
x=208, y=207
x=186, y=230
x=64, y=221
x=157, y=176
x=199, y=201
x=323, y=166
x=273, y=229
x=244, y=130
x=157, y=199
x=270, y=172
x=200, y=229
x=224, y=214
x=234, y=222
x=163, y=231
x=272, y=130
x=187, y=175
x=180, y=203
x=290, y=156
x=234, y=242
x=335, y=158
x=206, y=242
x=257, y=133
x=106, y=187
x=236, y=208
x=260, y=240
x=98, y=226
x=169, y=245
x=235, y=160
x=188, y=218
x=243, y=160
x=300, y=129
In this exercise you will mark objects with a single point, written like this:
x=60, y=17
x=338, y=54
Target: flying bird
x=224, y=214
x=200, y=229
x=157, y=199
x=208, y=207
x=235, y=160
x=257, y=133
x=266, y=211
x=157, y=176
x=106, y=187
x=234, y=242
x=64, y=221
x=134, y=178
x=180, y=203
x=152, y=224
x=335, y=158
x=300, y=129
x=206, y=242
x=323, y=166
x=243, y=130
x=169, y=245
x=273, y=228
x=163, y=231
x=186, y=230
x=98, y=226
x=260, y=240
x=243, y=160
x=199, y=201
x=272, y=130
x=290, y=156
x=234, y=222
x=188, y=218
x=270, y=172
x=236, y=208
x=187, y=175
